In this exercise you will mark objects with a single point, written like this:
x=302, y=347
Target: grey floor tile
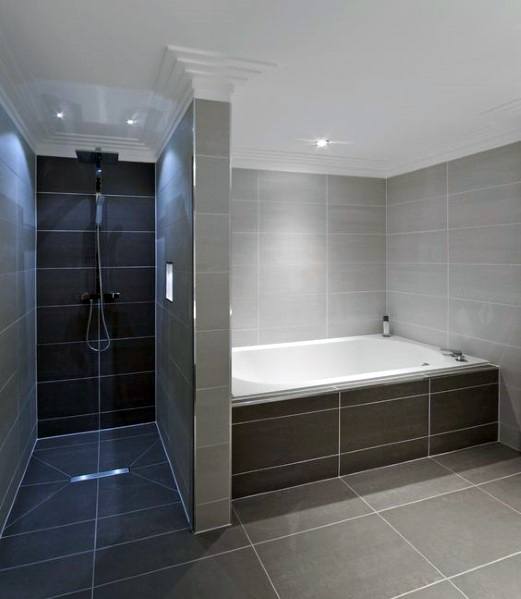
x=483, y=463
x=460, y=530
x=137, y=525
x=40, y=472
x=126, y=493
x=140, y=557
x=75, y=502
x=67, y=441
x=507, y=490
x=362, y=558
x=155, y=455
x=125, y=452
x=441, y=590
x=236, y=575
x=46, y=544
x=299, y=508
x=394, y=485
x=501, y=580
x=160, y=474
x=47, y=579
x=80, y=459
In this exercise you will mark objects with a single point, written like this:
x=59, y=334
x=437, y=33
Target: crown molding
x=480, y=143
x=307, y=162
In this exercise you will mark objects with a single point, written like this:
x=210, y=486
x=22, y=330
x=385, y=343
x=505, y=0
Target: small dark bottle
x=386, y=327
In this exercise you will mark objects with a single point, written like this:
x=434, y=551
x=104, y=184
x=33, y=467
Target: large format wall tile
x=474, y=267
x=17, y=310
x=67, y=269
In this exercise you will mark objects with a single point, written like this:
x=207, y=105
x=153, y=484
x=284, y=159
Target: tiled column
x=212, y=314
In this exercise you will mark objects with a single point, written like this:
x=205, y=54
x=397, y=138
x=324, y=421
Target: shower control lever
x=108, y=296
x=457, y=354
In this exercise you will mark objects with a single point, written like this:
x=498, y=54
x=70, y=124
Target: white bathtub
x=339, y=362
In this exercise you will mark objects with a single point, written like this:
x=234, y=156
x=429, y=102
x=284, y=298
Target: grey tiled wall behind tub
x=76, y=391
x=17, y=310
x=308, y=256
x=454, y=263
x=287, y=442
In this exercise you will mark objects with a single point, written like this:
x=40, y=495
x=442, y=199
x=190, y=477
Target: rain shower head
x=97, y=156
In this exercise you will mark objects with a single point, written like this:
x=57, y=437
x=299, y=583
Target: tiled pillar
x=212, y=477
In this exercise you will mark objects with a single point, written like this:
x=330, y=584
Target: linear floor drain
x=93, y=475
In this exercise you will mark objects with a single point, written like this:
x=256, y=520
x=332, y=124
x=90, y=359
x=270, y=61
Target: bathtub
x=336, y=363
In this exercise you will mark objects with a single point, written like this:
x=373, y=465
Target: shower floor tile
x=420, y=530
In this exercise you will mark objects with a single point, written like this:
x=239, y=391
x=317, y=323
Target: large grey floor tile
x=46, y=544
x=74, y=502
x=460, y=530
x=284, y=512
x=40, y=472
x=236, y=575
x=441, y=590
x=501, y=580
x=360, y=559
x=141, y=524
x=74, y=460
x=125, y=452
x=394, y=485
x=507, y=490
x=126, y=493
x=483, y=463
x=47, y=579
x=140, y=557
x=67, y=441
x=160, y=474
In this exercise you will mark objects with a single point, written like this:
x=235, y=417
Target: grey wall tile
x=492, y=206
x=213, y=301
x=418, y=247
x=244, y=281
x=422, y=310
x=424, y=215
x=299, y=279
x=489, y=283
x=361, y=191
x=212, y=185
x=430, y=279
x=417, y=185
x=344, y=249
x=212, y=242
x=289, y=249
x=350, y=308
x=356, y=219
x=244, y=185
x=212, y=128
x=244, y=313
x=423, y=334
x=499, y=244
x=276, y=311
x=244, y=218
x=486, y=169
x=291, y=217
x=244, y=338
x=290, y=334
x=356, y=277
x=244, y=249
x=291, y=187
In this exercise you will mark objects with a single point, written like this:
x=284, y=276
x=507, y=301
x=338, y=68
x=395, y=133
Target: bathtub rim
x=302, y=392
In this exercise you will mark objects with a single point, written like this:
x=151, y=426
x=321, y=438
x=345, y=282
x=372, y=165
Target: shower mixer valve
x=110, y=296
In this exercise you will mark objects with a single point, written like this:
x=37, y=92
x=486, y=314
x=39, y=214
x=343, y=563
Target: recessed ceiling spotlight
x=60, y=115
x=131, y=121
x=322, y=142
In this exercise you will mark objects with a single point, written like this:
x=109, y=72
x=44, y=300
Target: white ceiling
x=406, y=82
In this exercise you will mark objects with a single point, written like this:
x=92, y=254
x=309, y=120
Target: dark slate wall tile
x=128, y=355
x=65, y=175
x=66, y=426
x=130, y=320
x=66, y=361
x=58, y=250
x=387, y=422
x=279, y=441
x=286, y=407
x=133, y=284
x=130, y=213
x=463, y=438
x=353, y=397
x=67, y=398
x=129, y=178
x=463, y=408
x=59, y=287
x=128, y=249
x=284, y=476
x=68, y=212
x=127, y=417
x=386, y=455
x=66, y=323
x=469, y=379
x=127, y=391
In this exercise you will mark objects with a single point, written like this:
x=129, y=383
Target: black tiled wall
x=77, y=389
x=294, y=441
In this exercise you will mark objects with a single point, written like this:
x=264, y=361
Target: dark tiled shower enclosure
x=79, y=390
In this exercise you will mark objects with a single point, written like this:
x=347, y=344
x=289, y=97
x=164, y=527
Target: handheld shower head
x=100, y=200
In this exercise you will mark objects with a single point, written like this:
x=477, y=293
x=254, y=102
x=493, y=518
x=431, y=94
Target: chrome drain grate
x=94, y=475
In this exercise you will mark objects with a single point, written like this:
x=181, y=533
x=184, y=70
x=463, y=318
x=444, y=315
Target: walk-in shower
x=98, y=158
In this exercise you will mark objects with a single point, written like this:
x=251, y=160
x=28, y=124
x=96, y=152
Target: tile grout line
x=143, y=454
x=256, y=552
x=154, y=482
x=36, y=506
x=403, y=537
